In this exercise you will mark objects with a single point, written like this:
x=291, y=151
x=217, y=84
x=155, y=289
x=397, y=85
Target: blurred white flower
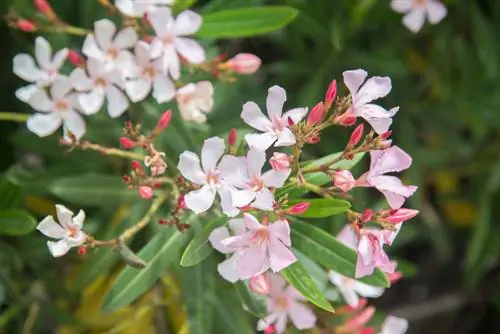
x=194, y=100
x=417, y=10
x=42, y=76
x=137, y=8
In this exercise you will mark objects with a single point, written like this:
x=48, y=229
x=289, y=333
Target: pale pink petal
x=261, y=141
x=171, y=62
x=44, y=124
x=380, y=125
x=349, y=295
x=200, y=200
x=117, y=101
x=280, y=256
x=251, y=222
x=215, y=238
x=59, y=59
x=77, y=239
x=281, y=322
x=390, y=236
x=436, y=11
x=285, y=138
x=363, y=269
x=255, y=161
x=394, y=325
x=392, y=159
x=253, y=116
x=58, y=248
x=92, y=101
x=79, y=219
x=74, y=123
x=233, y=171
x=353, y=80
x=79, y=80
x=281, y=230
x=250, y=262
x=161, y=20
x=348, y=237
x=414, y=20
x=204, y=95
x=296, y=114
x=294, y=294
x=25, y=93
x=189, y=166
x=50, y=228
x=138, y=89
x=189, y=49
x=64, y=216
x=238, y=241
x=25, y=68
x=43, y=53
x=104, y=31
x=275, y=179
x=125, y=38
x=301, y=316
x=264, y=200
x=91, y=49
x=125, y=65
x=60, y=87
x=212, y=150
x=96, y=69
x=278, y=284
x=142, y=53
x=227, y=269
x=242, y=198
x=374, y=88
x=402, y=6
x=226, y=202
x=368, y=291
x=131, y=8
x=237, y=226
x=163, y=89
x=276, y=97
x=187, y=23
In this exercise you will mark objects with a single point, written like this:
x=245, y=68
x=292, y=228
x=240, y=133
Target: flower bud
x=231, y=137
x=181, y=203
x=343, y=180
x=82, y=250
x=401, y=215
x=126, y=178
x=331, y=92
x=136, y=165
x=366, y=216
x=44, y=7
x=164, y=121
x=395, y=276
x=298, y=208
x=360, y=319
x=280, y=161
x=316, y=115
x=386, y=135
x=126, y=143
x=271, y=329
x=290, y=121
x=356, y=136
x=314, y=139
x=260, y=284
x=75, y=59
x=146, y=192
x=244, y=63
x=26, y=25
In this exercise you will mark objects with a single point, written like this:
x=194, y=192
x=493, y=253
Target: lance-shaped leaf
x=322, y=207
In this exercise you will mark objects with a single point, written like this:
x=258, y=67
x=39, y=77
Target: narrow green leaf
x=251, y=302
x=318, y=273
x=92, y=189
x=298, y=277
x=230, y=317
x=16, y=222
x=246, y=22
x=9, y=194
x=159, y=253
x=199, y=248
x=482, y=228
x=322, y=207
x=325, y=249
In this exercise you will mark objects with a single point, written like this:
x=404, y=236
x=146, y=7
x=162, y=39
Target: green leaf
x=322, y=207
x=246, y=22
x=92, y=189
x=180, y=5
x=298, y=277
x=199, y=248
x=160, y=253
x=251, y=302
x=325, y=249
x=9, y=194
x=318, y=273
x=16, y=222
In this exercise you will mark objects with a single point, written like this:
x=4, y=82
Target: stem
x=323, y=167
x=30, y=320
x=13, y=117
x=311, y=187
x=69, y=29
x=109, y=151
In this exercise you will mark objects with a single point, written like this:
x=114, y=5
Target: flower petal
x=242, y=198
x=161, y=20
x=189, y=49
x=24, y=93
x=74, y=123
x=25, y=68
x=79, y=80
x=204, y=95
x=187, y=23
x=60, y=87
x=280, y=256
x=251, y=262
x=200, y=200
x=237, y=226
x=301, y=316
x=64, y=216
x=374, y=88
x=92, y=101
x=296, y=114
x=189, y=166
x=255, y=161
x=58, y=248
x=264, y=200
x=401, y=6
x=215, y=238
x=233, y=170
x=212, y=150
x=138, y=89
x=117, y=101
x=79, y=219
x=125, y=39
x=353, y=80
x=44, y=124
x=392, y=159
x=348, y=237
x=171, y=62
x=379, y=118
x=104, y=31
x=163, y=89
x=414, y=20
x=50, y=228
x=281, y=230
x=59, y=59
x=43, y=53
x=275, y=179
x=261, y=141
x=253, y=116
x=91, y=49
x=226, y=203
x=276, y=97
x=285, y=138
x=251, y=222
x=368, y=291
x=394, y=325
x=436, y=11
x=227, y=269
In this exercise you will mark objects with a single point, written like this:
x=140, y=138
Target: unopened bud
x=82, y=250
x=356, y=136
x=126, y=143
x=343, y=180
x=231, y=137
x=290, y=121
x=181, y=202
x=75, y=58
x=280, y=161
x=136, y=165
x=366, y=216
x=271, y=329
x=395, y=276
x=244, y=63
x=44, y=7
x=314, y=139
x=146, y=192
x=401, y=215
x=298, y=208
x=316, y=115
x=164, y=121
x=126, y=178
x=361, y=318
x=386, y=135
x=260, y=284
x=331, y=93
x=26, y=25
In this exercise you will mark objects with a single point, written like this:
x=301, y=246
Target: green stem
x=13, y=117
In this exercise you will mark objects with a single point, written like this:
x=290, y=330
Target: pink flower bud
x=136, y=165
x=26, y=25
x=331, y=92
x=126, y=143
x=400, y=215
x=314, y=139
x=361, y=318
x=317, y=114
x=181, y=203
x=290, y=121
x=386, y=135
x=44, y=7
x=244, y=63
x=366, y=216
x=356, y=136
x=75, y=59
x=367, y=330
x=146, y=192
x=164, y=121
x=271, y=329
x=260, y=284
x=280, y=161
x=343, y=180
x=298, y=208
x=82, y=250
x=395, y=276
x=231, y=137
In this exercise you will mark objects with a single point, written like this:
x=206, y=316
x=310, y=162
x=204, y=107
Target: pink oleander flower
x=109, y=47
x=100, y=84
x=208, y=177
x=137, y=8
x=227, y=269
x=343, y=180
x=249, y=185
x=148, y=75
x=283, y=303
x=280, y=162
x=390, y=160
x=195, y=100
x=42, y=76
x=397, y=216
x=394, y=325
x=170, y=40
x=369, y=249
x=68, y=231
x=363, y=93
x=351, y=289
x=275, y=127
x=56, y=110
x=417, y=10
x=261, y=246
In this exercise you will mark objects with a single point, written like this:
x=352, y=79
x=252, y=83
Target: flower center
x=101, y=82
x=149, y=72
x=113, y=53
x=419, y=3
x=167, y=39
x=256, y=183
x=281, y=303
x=278, y=124
x=62, y=105
x=72, y=232
x=213, y=177
x=261, y=237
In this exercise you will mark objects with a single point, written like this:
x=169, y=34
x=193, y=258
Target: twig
x=85, y=145
x=13, y=117
x=30, y=320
